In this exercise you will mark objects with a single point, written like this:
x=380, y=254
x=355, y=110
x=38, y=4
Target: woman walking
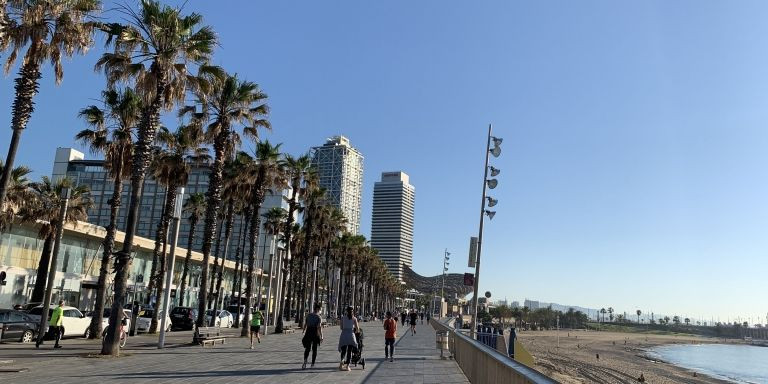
x=347, y=340
x=313, y=335
x=390, y=334
x=413, y=321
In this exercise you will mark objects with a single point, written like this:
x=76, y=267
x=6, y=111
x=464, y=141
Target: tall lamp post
x=176, y=221
x=314, y=279
x=65, y=196
x=487, y=184
x=446, y=263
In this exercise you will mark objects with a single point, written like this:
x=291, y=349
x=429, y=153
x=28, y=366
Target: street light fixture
x=490, y=184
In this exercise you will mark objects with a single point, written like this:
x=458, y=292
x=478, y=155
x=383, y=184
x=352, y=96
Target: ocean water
x=736, y=363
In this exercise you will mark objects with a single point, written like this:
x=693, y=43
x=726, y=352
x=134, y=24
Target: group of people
x=350, y=338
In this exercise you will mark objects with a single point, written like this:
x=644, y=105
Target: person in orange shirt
x=390, y=325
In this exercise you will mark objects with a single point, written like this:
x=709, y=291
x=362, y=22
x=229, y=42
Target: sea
x=734, y=363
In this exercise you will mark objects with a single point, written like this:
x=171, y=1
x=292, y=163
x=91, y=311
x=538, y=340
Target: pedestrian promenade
x=277, y=359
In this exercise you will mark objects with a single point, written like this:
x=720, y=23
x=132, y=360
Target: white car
x=73, y=321
x=145, y=320
x=223, y=318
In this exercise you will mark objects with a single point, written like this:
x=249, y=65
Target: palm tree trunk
x=142, y=155
x=42, y=271
x=288, y=264
x=109, y=246
x=155, y=253
x=253, y=236
x=185, y=271
x=216, y=251
x=211, y=212
x=240, y=254
x=23, y=106
x=160, y=246
x=227, y=236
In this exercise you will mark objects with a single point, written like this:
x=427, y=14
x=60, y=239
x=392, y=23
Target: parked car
x=18, y=326
x=75, y=323
x=184, y=317
x=145, y=320
x=223, y=318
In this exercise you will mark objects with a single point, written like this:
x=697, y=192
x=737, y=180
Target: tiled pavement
x=276, y=360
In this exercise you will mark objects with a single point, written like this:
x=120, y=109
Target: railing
x=482, y=364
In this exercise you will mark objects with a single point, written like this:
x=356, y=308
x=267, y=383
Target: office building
x=392, y=221
x=340, y=172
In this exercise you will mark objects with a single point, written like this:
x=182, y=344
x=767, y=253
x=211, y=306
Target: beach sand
x=622, y=357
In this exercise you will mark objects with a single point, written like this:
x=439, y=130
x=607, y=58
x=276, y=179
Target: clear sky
x=635, y=133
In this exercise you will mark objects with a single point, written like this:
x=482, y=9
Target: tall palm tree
x=273, y=222
x=295, y=167
x=44, y=208
x=17, y=196
x=171, y=168
x=111, y=134
x=46, y=30
x=229, y=101
x=154, y=48
x=195, y=208
x=267, y=175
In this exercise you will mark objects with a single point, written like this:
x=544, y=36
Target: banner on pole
x=472, y=251
x=469, y=279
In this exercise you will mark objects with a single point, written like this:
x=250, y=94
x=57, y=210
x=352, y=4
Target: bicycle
x=123, y=334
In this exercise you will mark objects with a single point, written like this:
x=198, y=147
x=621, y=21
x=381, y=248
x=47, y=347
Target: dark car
x=183, y=317
x=17, y=326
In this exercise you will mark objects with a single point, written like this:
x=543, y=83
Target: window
x=17, y=317
x=71, y=313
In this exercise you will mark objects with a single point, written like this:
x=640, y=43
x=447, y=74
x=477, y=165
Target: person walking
x=390, y=334
x=313, y=335
x=403, y=316
x=347, y=339
x=256, y=326
x=414, y=315
x=55, y=324
x=421, y=317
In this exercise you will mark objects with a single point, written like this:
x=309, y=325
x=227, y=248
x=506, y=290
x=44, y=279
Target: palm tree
x=44, y=209
x=46, y=30
x=195, y=208
x=228, y=101
x=17, y=196
x=610, y=313
x=273, y=221
x=161, y=38
x=295, y=169
x=171, y=168
x=638, y=315
x=111, y=134
x=267, y=174
x=603, y=311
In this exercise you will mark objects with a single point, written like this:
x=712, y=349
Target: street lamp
x=65, y=195
x=176, y=218
x=446, y=257
x=487, y=184
x=314, y=279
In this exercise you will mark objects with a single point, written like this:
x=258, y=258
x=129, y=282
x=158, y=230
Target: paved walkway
x=277, y=359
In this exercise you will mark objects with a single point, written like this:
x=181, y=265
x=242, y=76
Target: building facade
x=71, y=164
x=392, y=221
x=340, y=172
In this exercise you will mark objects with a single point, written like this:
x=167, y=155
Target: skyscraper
x=392, y=221
x=340, y=172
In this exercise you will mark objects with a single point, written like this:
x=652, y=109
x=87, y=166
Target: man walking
x=57, y=319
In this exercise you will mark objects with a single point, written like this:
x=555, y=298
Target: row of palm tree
x=149, y=70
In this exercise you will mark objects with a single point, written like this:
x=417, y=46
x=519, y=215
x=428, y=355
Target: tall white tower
x=392, y=221
x=340, y=172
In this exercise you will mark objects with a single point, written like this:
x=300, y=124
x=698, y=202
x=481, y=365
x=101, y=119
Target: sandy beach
x=622, y=357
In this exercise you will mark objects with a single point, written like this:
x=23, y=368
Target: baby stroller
x=357, y=354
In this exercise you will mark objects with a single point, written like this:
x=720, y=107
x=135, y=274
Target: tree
x=610, y=313
x=229, y=101
x=161, y=38
x=603, y=311
x=44, y=208
x=266, y=173
x=111, y=134
x=676, y=320
x=194, y=207
x=171, y=168
x=48, y=30
x=666, y=319
x=18, y=195
x=638, y=312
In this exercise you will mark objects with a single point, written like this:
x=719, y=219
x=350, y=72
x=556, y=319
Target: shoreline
x=611, y=357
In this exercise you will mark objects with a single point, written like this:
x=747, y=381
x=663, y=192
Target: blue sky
x=635, y=140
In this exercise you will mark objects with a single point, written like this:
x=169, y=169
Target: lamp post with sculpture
x=487, y=184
